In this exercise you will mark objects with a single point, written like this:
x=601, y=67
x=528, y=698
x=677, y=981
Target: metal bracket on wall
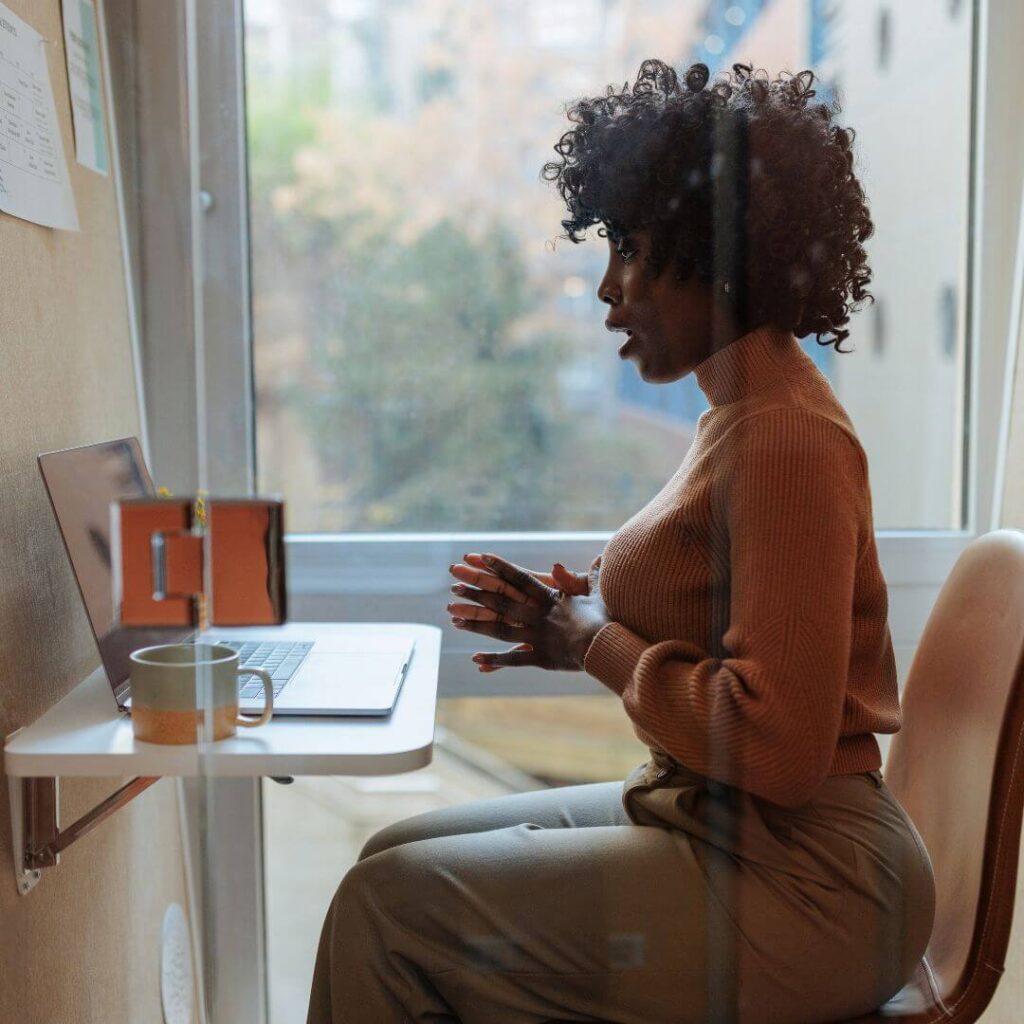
x=35, y=829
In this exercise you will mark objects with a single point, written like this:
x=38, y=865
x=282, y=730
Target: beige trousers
x=672, y=899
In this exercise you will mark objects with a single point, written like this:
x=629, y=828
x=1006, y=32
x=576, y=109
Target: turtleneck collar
x=752, y=363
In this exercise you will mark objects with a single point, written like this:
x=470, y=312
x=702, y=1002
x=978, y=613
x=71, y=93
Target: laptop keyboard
x=281, y=658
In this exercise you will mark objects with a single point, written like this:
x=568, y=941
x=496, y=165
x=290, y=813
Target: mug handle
x=268, y=696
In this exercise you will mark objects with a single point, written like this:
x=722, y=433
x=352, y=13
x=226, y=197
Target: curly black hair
x=744, y=182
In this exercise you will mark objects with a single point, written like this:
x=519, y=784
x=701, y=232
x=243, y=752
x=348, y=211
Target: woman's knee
x=396, y=834
x=387, y=879
x=375, y=844
x=361, y=882
x=428, y=825
x=351, y=913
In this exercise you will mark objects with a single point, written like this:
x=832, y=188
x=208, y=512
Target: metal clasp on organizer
x=172, y=570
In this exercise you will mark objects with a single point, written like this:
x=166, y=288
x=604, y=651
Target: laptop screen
x=82, y=484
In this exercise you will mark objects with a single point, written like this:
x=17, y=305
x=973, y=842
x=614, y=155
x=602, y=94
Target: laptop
x=316, y=674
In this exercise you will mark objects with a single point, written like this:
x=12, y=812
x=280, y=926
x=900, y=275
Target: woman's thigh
x=588, y=806
x=525, y=923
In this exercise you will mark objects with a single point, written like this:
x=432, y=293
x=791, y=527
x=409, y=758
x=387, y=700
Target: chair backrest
x=957, y=766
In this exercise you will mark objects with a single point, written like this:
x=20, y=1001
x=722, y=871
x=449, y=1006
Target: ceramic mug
x=170, y=684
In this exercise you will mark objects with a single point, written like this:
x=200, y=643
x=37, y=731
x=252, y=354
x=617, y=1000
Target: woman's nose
x=608, y=292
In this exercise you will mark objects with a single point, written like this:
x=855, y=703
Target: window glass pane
x=428, y=357
x=558, y=741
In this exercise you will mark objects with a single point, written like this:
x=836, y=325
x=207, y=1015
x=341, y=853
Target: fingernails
x=488, y=560
x=478, y=658
x=459, y=622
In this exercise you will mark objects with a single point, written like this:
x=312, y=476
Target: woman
x=757, y=868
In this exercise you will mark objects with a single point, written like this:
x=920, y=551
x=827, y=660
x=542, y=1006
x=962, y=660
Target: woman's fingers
x=521, y=579
x=517, y=657
x=546, y=578
x=491, y=580
x=471, y=611
x=569, y=582
x=504, y=608
x=499, y=630
x=477, y=574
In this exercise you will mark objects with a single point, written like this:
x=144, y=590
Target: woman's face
x=667, y=322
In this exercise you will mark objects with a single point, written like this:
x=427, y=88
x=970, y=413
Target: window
x=430, y=357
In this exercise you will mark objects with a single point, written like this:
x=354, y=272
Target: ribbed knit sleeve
x=766, y=717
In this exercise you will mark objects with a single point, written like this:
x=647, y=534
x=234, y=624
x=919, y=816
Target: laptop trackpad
x=345, y=682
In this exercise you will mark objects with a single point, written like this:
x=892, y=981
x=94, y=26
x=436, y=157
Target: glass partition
x=388, y=332
x=430, y=357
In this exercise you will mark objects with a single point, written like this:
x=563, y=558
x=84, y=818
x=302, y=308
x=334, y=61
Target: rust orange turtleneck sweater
x=750, y=639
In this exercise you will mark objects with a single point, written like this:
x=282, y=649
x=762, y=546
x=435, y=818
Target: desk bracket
x=35, y=829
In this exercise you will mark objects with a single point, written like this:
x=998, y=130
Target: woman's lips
x=624, y=347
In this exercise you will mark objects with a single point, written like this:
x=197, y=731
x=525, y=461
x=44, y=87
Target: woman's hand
x=476, y=573
x=551, y=627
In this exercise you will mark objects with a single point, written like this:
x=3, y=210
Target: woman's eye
x=627, y=255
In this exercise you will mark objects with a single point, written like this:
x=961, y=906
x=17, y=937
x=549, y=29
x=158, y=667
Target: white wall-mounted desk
x=86, y=735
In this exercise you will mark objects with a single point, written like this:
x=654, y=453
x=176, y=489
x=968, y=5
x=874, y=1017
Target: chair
x=957, y=767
